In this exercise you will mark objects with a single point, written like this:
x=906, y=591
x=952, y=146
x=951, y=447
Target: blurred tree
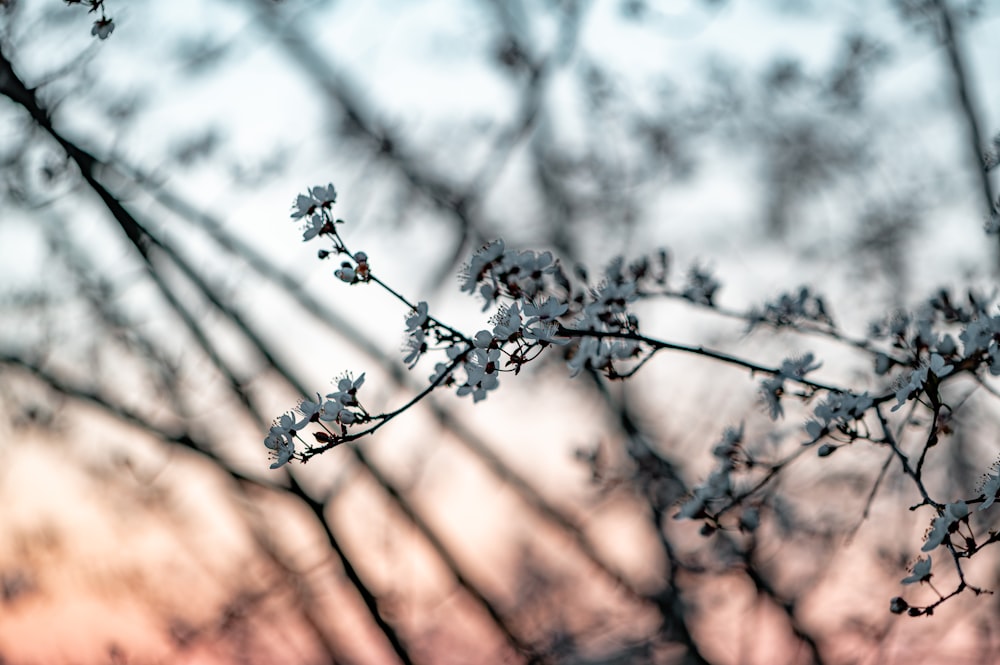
x=156, y=314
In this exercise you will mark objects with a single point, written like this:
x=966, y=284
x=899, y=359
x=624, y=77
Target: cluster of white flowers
x=982, y=336
x=537, y=307
x=773, y=388
x=605, y=310
x=701, y=286
x=990, y=488
x=719, y=485
x=913, y=384
x=495, y=271
x=790, y=308
x=838, y=412
x=340, y=408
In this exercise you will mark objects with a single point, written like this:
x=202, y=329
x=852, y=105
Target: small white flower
x=331, y=410
x=701, y=286
x=440, y=371
x=913, y=384
x=771, y=390
x=947, y=345
x=417, y=317
x=347, y=390
x=284, y=449
x=918, y=378
x=588, y=349
x=483, y=339
x=286, y=423
x=544, y=332
x=312, y=228
x=979, y=334
x=990, y=489
x=489, y=293
x=508, y=323
x=815, y=430
x=103, y=27
x=479, y=388
x=799, y=367
x=941, y=525
x=623, y=348
x=938, y=367
x=479, y=263
x=281, y=438
x=835, y=410
x=308, y=408
x=482, y=371
x=921, y=572
x=416, y=345
x=549, y=310
x=303, y=206
x=324, y=195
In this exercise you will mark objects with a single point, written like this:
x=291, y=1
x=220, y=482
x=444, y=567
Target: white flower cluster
x=982, y=336
x=913, y=384
x=495, y=271
x=536, y=307
x=790, y=308
x=837, y=412
x=340, y=407
x=717, y=491
x=773, y=388
x=701, y=286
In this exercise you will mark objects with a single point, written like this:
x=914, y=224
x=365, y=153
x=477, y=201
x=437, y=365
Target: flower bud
x=897, y=605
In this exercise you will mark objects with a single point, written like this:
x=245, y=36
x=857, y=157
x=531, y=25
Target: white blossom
x=281, y=438
x=921, y=572
x=835, y=410
x=102, y=28
x=990, y=489
x=415, y=346
x=312, y=228
x=479, y=262
x=549, y=310
x=915, y=382
x=417, y=317
x=347, y=389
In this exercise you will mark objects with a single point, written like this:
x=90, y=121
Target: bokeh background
x=157, y=310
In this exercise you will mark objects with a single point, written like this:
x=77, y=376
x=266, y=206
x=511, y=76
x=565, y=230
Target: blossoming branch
x=537, y=308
